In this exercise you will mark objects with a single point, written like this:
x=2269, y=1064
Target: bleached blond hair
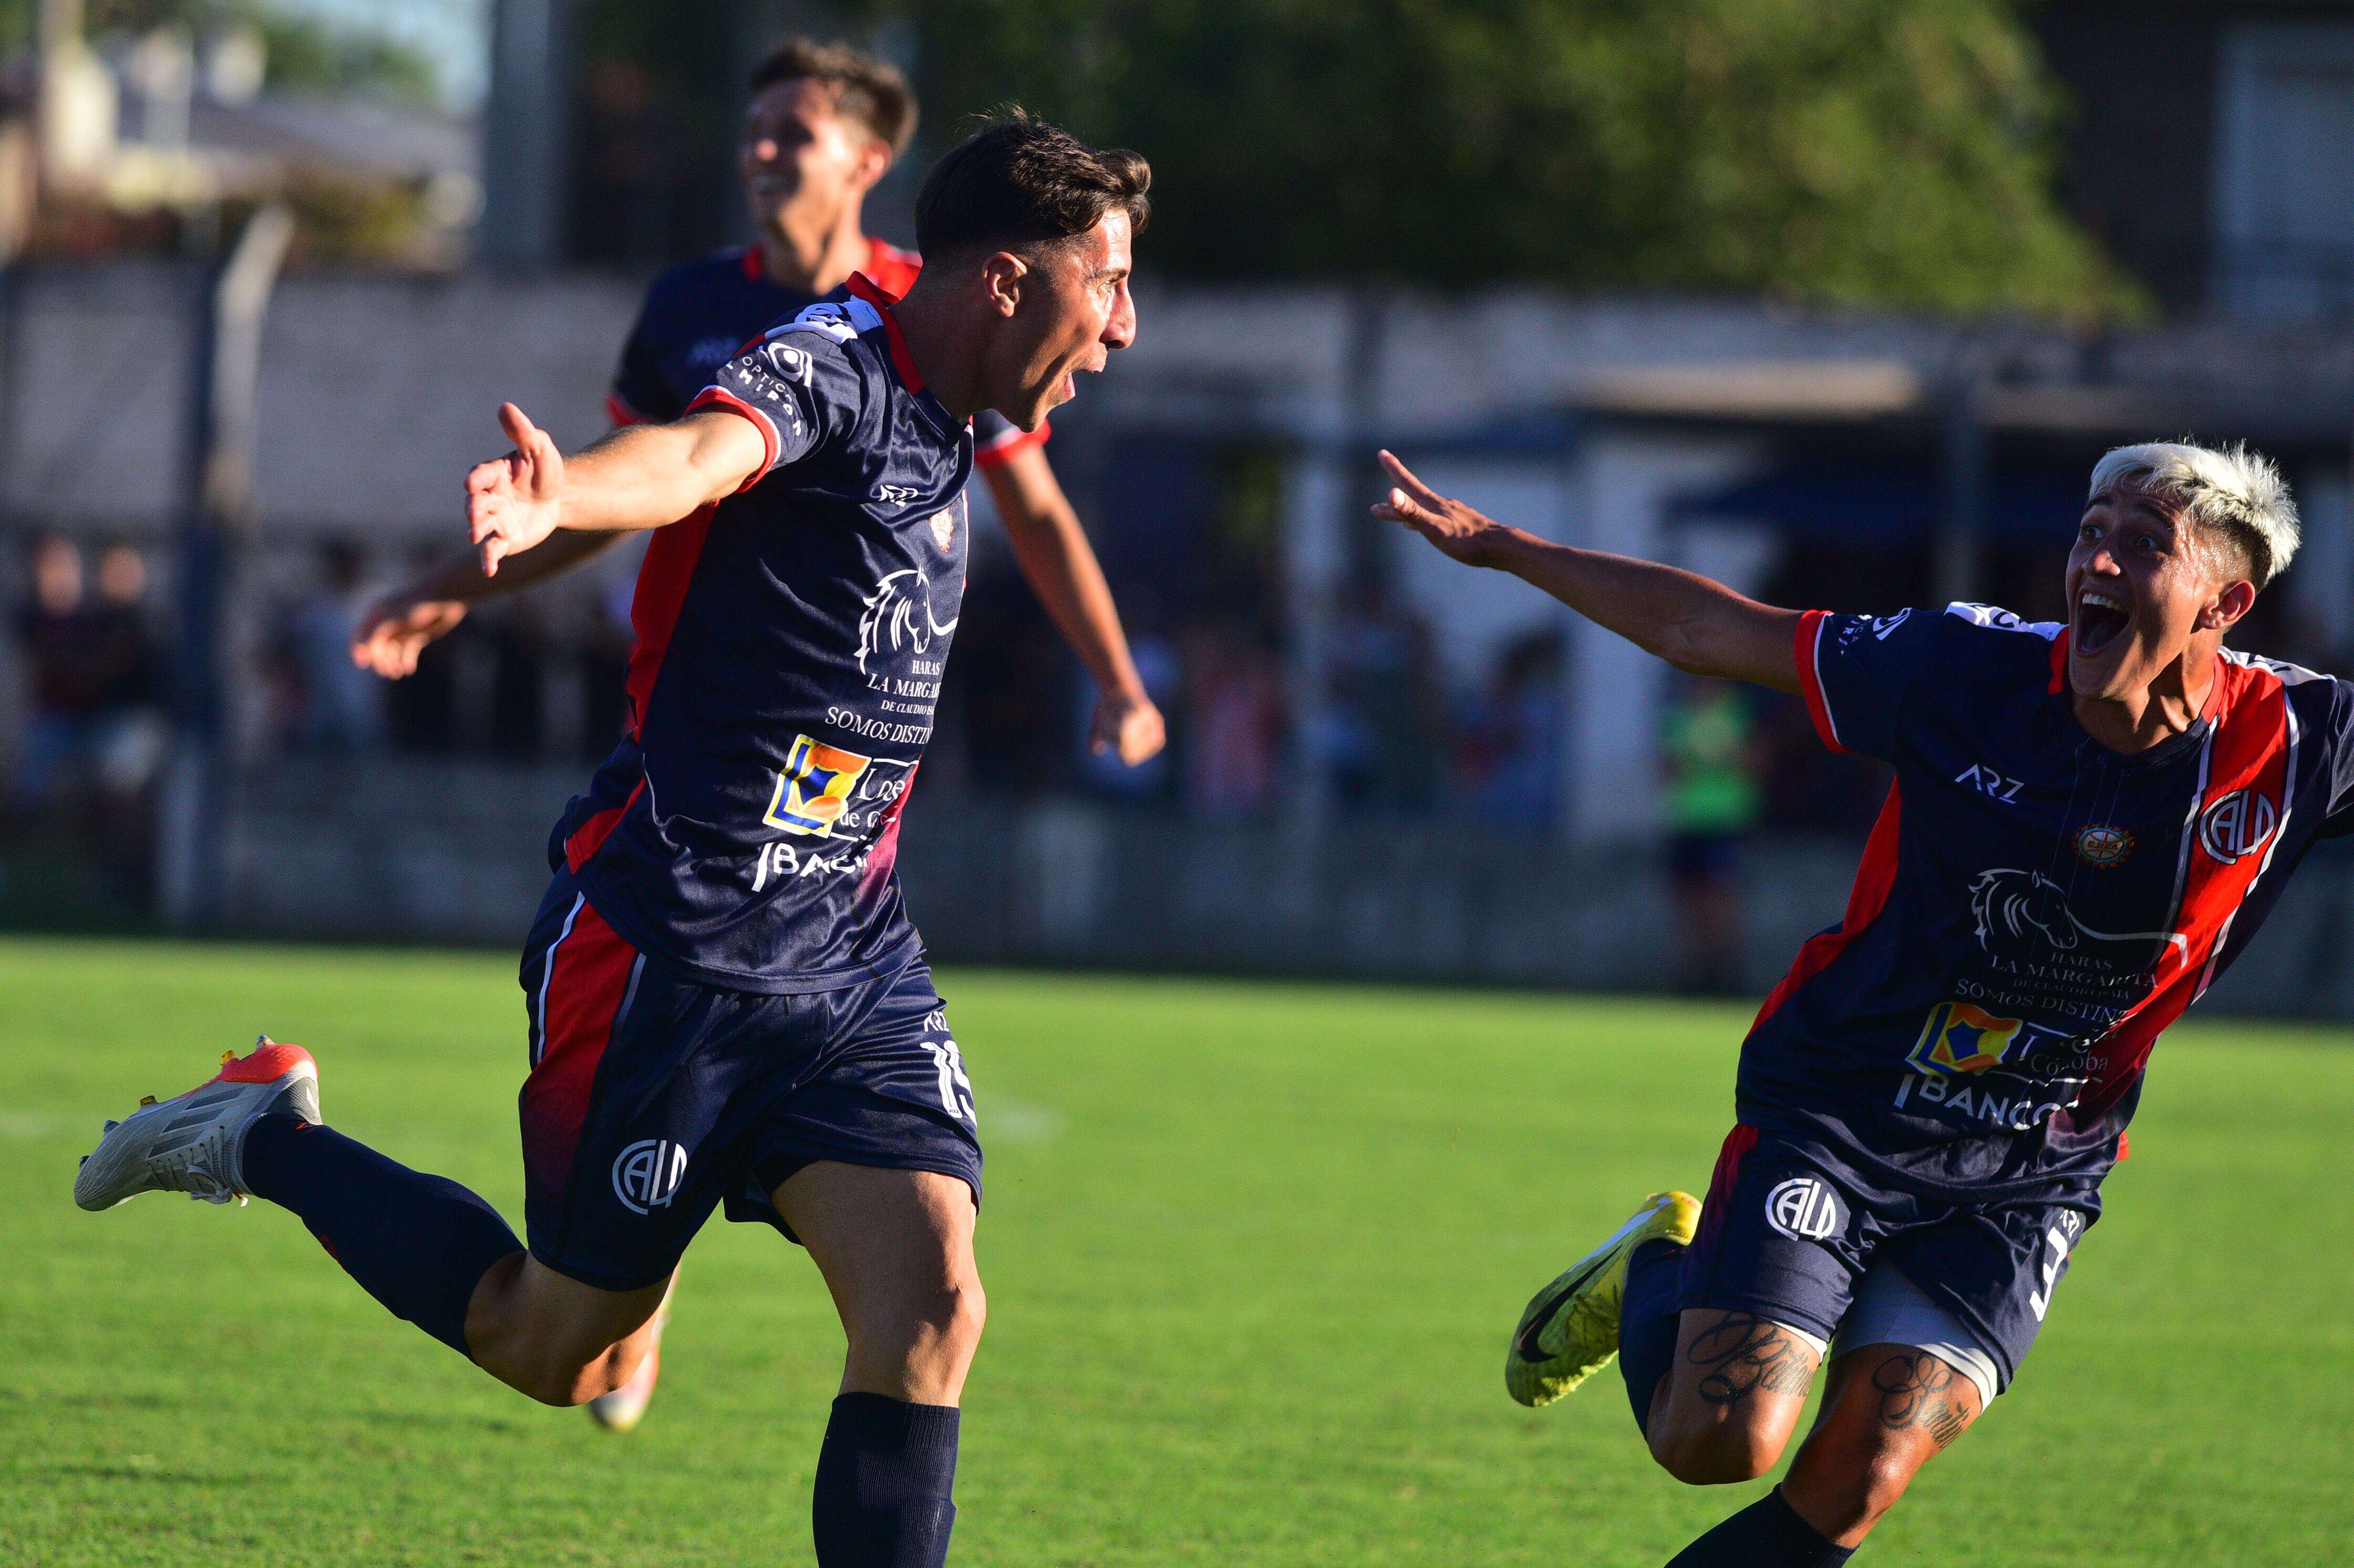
x=2228, y=492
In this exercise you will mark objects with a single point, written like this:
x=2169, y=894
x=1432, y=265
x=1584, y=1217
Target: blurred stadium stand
x=1381, y=764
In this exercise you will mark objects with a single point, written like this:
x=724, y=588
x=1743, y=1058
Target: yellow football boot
x=1571, y=1330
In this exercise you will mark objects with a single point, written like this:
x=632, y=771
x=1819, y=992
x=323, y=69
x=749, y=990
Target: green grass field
x=1252, y=1252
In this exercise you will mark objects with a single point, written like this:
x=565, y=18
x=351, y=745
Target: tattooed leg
x=1917, y=1389
x=1731, y=1398
x=1744, y=1355
x=1889, y=1410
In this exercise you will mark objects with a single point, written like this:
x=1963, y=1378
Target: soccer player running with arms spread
x=727, y=1003
x=2088, y=823
x=824, y=124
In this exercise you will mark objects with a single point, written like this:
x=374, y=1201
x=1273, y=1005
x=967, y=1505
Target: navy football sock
x=1768, y=1533
x=419, y=1244
x=1647, y=1322
x=884, y=1480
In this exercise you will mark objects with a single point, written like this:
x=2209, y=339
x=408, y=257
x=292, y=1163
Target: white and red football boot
x=195, y=1143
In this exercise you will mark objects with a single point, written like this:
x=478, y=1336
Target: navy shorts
x=1782, y=1238
x=653, y=1100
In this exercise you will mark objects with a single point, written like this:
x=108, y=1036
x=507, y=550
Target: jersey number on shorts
x=956, y=1089
x=2039, y=1301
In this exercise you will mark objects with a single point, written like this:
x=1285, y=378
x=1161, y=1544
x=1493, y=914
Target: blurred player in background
x=2089, y=822
x=727, y=1003
x=824, y=126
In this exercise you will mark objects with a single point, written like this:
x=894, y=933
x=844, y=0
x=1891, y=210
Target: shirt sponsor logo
x=899, y=615
x=814, y=787
x=1959, y=1038
x=2024, y=911
x=1804, y=1208
x=2237, y=825
x=790, y=363
x=646, y=1175
x=2101, y=846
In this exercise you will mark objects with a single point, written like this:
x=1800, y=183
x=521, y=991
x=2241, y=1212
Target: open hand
x=514, y=501
x=1129, y=725
x=1457, y=531
x=395, y=630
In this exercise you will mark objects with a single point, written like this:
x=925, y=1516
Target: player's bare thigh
x=895, y=1248
x=553, y=1337
x=1887, y=1411
x=1731, y=1398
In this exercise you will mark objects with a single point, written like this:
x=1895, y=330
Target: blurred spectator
x=1512, y=739
x=96, y=737
x=339, y=707
x=54, y=632
x=1709, y=748
x=1378, y=735
x=1233, y=734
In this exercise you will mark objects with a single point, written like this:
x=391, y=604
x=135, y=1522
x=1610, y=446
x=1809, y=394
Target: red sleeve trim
x=618, y=409
x=755, y=267
x=1810, y=676
x=1006, y=448
x=720, y=397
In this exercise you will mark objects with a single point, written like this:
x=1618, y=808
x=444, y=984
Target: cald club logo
x=1959, y=1038
x=814, y=787
x=646, y=1174
x=1804, y=1208
x=2238, y=824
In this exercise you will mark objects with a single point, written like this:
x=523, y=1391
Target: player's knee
x=1716, y=1456
x=958, y=1318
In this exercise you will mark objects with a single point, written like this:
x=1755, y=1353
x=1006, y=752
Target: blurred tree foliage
x=1892, y=152
x=305, y=54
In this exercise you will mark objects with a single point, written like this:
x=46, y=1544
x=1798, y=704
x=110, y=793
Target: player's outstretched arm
x=638, y=477
x=1694, y=623
x=1055, y=556
x=399, y=626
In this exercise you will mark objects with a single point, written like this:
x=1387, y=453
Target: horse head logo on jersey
x=2020, y=912
x=894, y=621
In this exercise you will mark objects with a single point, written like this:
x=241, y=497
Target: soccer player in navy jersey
x=2089, y=822
x=728, y=1005
x=822, y=127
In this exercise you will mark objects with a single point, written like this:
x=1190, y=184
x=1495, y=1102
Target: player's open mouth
x=2100, y=620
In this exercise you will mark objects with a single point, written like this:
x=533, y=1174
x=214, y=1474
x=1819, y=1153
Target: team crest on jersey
x=1804, y=1208
x=814, y=787
x=2238, y=824
x=944, y=529
x=2101, y=846
x=1959, y=1038
x=647, y=1173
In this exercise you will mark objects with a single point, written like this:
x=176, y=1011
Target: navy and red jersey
x=2033, y=909
x=699, y=314
x=790, y=643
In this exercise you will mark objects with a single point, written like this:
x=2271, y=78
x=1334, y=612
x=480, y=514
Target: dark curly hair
x=1017, y=182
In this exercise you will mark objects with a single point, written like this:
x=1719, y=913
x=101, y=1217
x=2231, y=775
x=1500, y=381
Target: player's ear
x=1001, y=280
x=873, y=161
x=2232, y=601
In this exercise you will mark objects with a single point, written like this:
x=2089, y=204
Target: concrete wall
x=437, y=853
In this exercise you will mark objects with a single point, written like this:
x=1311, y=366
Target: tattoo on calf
x=1747, y=1353
x=1918, y=1390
